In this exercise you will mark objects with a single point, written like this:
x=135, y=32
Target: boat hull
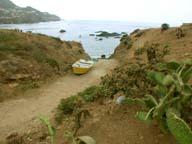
x=79, y=70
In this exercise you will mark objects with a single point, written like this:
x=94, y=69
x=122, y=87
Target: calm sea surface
x=80, y=30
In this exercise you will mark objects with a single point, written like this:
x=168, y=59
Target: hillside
x=177, y=40
x=26, y=59
x=10, y=13
x=146, y=99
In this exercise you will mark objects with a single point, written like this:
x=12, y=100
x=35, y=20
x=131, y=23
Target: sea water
x=80, y=31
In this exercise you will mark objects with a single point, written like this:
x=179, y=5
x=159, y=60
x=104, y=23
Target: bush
x=92, y=93
x=68, y=105
x=168, y=98
x=126, y=41
x=164, y=26
x=124, y=37
x=52, y=62
x=140, y=51
x=135, y=31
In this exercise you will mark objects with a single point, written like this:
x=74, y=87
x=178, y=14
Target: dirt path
x=16, y=115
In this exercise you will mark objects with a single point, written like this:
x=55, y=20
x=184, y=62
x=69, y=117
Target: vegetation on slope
x=161, y=87
x=26, y=58
x=146, y=78
x=10, y=13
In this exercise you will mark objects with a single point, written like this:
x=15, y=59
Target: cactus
x=179, y=129
x=50, y=128
x=170, y=95
x=143, y=117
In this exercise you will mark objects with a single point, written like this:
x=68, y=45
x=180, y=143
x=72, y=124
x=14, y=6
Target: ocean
x=80, y=31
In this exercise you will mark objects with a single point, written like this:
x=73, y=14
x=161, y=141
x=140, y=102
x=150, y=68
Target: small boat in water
x=82, y=66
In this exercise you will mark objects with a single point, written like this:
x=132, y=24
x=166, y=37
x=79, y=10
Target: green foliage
x=73, y=104
x=51, y=129
x=124, y=37
x=126, y=41
x=143, y=116
x=171, y=92
x=130, y=79
x=57, y=39
x=156, y=52
x=89, y=94
x=179, y=129
x=92, y=93
x=67, y=106
x=135, y=31
x=139, y=51
x=52, y=62
x=164, y=26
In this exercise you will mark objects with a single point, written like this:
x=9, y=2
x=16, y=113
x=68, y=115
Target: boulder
x=62, y=31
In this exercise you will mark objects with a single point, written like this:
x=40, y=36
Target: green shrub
x=68, y=105
x=89, y=94
x=135, y=31
x=124, y=37
x=52, y=62
x=140, y=51
x=51, y=129
x=126, y=41
x=164, y=26
x=57, y=39
x=92, y=93
x=170, y=94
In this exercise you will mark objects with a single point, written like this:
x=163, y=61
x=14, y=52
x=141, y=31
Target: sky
x=157, y=11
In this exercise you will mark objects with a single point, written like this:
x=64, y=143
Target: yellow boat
x=82, y=66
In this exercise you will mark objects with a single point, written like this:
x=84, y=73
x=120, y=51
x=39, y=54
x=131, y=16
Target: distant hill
x=11, y=13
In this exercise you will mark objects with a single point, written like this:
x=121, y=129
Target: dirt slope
x=178, y=40
x=17, y=115
x=27, y=58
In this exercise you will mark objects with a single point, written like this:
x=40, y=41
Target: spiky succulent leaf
x=142, y=116
x=128, y=101
x=138, y=101
x=150, y=101
x=161, y=66
x=45, y=120
x=168, y=80
x=173, y=65
x=172, y=110
x=160, y=90
x=156, y=77
x=187, y=90
x=179, y=129
x=187, y=75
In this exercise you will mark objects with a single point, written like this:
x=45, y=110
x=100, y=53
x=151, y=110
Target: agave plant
x=171, y=92
x=51, y=129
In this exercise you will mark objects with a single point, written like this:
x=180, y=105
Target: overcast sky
x=170, y=11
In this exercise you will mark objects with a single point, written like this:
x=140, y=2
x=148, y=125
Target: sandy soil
x=111, y=124
x=19, y=114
